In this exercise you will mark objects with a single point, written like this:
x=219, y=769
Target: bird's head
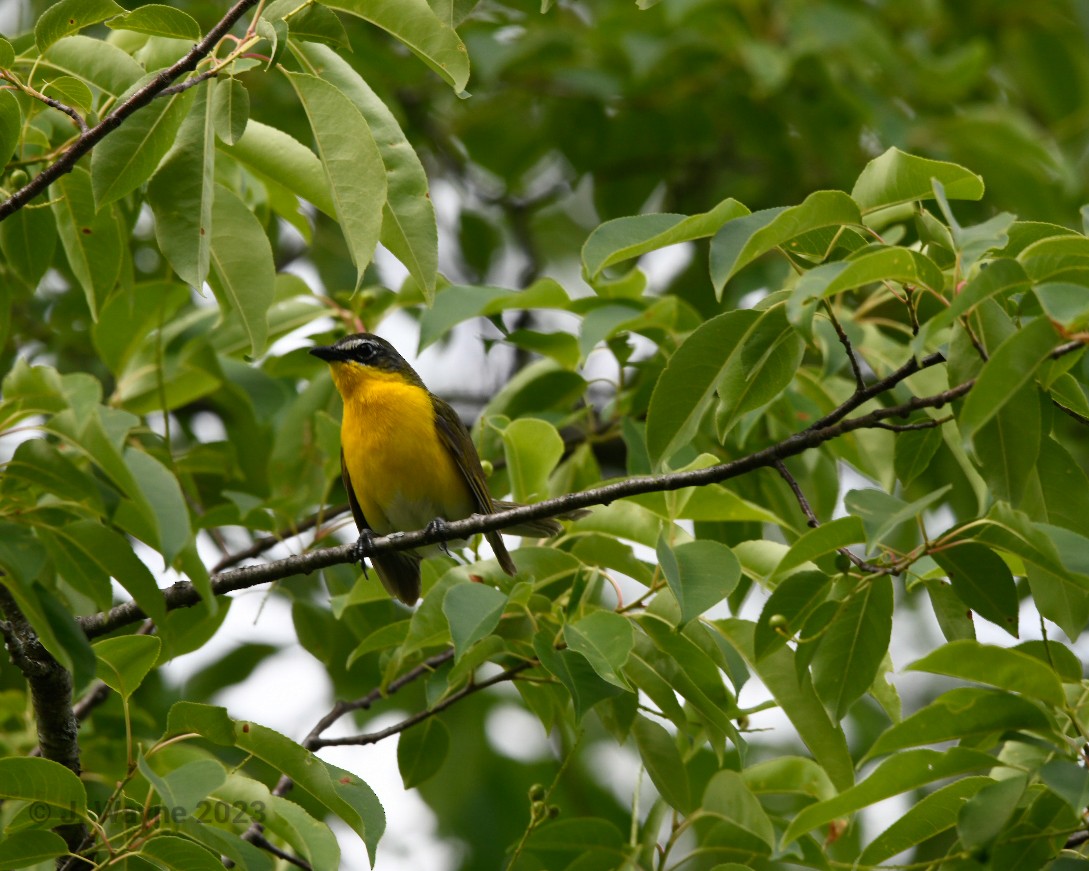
x=362, y=357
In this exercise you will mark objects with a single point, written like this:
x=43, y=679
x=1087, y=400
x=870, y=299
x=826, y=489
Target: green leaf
x=98, y=545
x=532, y=448
x=278, y=157
x=413, y=23
x=1011, y=365
x=1056, y=257
x=930, y=816
x=422, y=749
x=179, y=854
x=962, y=713
x=71, y=16
x=94, y=61
x=728, y=796
x=1007, y=447
x=473, y=611
x=183, y=788
x=824, y=539
x=851, y=651
x=11, y=124
x=310, y=838
x=40, y=463
x=605, y=639
x=873, y=265
x=1067, y=780
x=126, y=158
x=691, y=671
x=29, y=847
x=409, y=229
x=576, y=674
x=1002, y=276
x=92, y=239
x=799, y=702
x=793, y=599
x=898, y=774
x=882, y=514
x=742, y=240
x=162, y=494
x=686, y=387
x=339, y=791
x=998, y=666
x=623, y=238
x=788, y=775
x=230, y=109
x=124, y=662
x=1066, y=304
x=582, y=835
x=700, y=574
x=352, y=162
x=914, y=452
x=767, y=363
x=983, y=582
x=159, y=20
x=28, y=239
x=180, y=194
x=983, y=817
x=456, y=303
x=27, y=778
x=659, y=755
x=896, y=177
x=242, y=258
x=7, y=54
x=71, y=91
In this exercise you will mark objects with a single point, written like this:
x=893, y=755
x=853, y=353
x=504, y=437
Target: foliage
x=858, y=401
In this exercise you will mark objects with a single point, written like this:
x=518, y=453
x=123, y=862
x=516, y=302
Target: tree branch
x=420, y=716
x=140, y=98
x=51, y=695
x=183, y=594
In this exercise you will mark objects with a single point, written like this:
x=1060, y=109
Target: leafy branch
x=88, y=139
x=183, y=594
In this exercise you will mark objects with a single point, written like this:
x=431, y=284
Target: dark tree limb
x=51, y=695
x=137, y=100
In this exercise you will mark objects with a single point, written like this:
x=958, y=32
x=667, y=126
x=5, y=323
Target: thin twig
x=813, y=522
x=263, y=843
x=270, y=541
x=419, y=717
x=210, y=73
x=137, y=100
x=49, y=101
x=860, y=382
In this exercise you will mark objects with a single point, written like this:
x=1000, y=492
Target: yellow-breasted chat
x=406, y=459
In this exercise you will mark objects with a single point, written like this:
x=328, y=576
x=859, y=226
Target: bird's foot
x=361, y=548
x=438, y=525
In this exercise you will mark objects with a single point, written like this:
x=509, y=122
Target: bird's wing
x=459, y=444
x=399, y=571
x=457, y=441
x=357, y=512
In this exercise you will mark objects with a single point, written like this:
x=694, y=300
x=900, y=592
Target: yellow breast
x=401, y=472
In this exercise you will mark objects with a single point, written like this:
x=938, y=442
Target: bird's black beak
x=328, y=353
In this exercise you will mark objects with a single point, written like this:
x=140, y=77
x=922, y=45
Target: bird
x=406, y=459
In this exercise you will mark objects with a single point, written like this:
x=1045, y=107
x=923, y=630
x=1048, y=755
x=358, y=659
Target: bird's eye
x=365, y=352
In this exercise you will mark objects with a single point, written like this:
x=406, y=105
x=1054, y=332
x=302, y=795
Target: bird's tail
x=543, y=528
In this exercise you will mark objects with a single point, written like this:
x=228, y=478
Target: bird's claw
x=361, y=548
x=438, y=525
